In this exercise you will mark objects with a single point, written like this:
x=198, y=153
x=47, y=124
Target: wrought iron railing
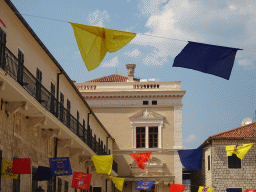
x=10, y=64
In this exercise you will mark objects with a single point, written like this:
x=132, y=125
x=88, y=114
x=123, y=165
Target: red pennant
x=250, y=190
x=177, y=188
x=140, y=159
x=81, y=180
x=2, y=22
x=21, y=166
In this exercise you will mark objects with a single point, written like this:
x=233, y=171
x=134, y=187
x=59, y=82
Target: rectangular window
x=20, y=67
x=59, y=185
x=52, y=104
x=16, y=184
x=38, y=85
x=66, y=186
x=34, y=182
x=68, y=112
x=154, y=102
x=140, y=137
x=145, y=102
x=61, y=107
x=234, y=162
x=153, y=137
x=209, y=163
x=2, y=48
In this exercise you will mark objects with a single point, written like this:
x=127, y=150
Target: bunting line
x=125, y=31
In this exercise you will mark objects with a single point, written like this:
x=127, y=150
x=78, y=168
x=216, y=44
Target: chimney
x=130, y=71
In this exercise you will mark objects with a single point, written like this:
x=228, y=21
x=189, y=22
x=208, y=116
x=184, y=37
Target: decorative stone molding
x=76, y=151
x=50, y=133
x=62, y=143
x=36, y=121
x=14, y=106
x=177, y=126
x=2, y=85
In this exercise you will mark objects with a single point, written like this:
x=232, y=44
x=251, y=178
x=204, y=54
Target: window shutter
x=59, y=184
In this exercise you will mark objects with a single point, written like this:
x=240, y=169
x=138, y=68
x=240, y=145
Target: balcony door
x=2, y=48
x=20, y=67
x=38, y=84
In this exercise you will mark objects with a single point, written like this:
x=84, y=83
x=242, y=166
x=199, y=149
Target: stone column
x=177, y=143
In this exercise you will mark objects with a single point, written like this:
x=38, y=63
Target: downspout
x=58, y=90
x=55, y=155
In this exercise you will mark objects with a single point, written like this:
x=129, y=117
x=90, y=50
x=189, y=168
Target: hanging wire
x=136, y=33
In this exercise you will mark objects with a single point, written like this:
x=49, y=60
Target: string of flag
x=191, y=159
x=94, y=43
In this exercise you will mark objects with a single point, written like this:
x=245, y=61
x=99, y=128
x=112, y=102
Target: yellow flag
x=119, y=182
x=240, y=150
x=94, y=42
x=103, y=163
x=7, y=170
x=205, y=189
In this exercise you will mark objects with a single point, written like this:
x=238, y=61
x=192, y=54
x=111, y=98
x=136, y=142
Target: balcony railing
x=10, y=64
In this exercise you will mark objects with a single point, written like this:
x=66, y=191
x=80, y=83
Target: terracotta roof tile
x=112, y=78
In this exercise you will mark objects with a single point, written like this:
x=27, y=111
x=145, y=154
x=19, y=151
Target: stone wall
x=17, y=140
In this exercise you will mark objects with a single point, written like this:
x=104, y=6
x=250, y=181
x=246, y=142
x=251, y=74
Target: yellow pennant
x=94, y=42
x=205, y=189
x=240, y=150
x=119, y=182
x=7, y=170
x=103, y=163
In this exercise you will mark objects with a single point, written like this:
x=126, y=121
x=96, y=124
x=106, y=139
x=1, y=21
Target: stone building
x=143, y=116
x=42, y=114
x=220, y=171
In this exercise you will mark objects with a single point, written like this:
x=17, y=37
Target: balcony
x=10, y=64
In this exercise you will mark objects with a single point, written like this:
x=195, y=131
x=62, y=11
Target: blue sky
x=211, y=104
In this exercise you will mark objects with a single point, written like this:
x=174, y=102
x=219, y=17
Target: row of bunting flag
x=94, y=43
x=191, y=159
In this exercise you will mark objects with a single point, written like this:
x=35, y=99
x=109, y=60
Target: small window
x=66, y=186
x=234, y=189
x=140, y=137
x=153, y=137
x=145, y=102
x=209, y=163
x=234, y=162
x=59, y=184
x=154, y=102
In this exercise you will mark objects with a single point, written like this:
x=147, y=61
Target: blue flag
x=60, y=166
x=144, y=185
x=211, y=59
x=191, y=159
x=42, y=174
x=233, y=190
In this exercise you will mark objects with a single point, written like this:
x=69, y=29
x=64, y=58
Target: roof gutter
x=17, y=13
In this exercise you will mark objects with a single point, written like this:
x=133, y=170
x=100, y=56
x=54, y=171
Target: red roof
x=246, y=131
x=112, y=78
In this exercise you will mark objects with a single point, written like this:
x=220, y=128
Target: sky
x=211, y=104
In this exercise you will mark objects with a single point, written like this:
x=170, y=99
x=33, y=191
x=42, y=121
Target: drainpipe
x=58, y=90
x=55, y=155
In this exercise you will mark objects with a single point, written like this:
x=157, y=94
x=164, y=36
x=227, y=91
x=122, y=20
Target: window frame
x=141, y=134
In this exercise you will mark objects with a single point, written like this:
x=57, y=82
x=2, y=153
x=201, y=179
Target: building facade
x=42, y=114
x=142, y=116
x=220, y=171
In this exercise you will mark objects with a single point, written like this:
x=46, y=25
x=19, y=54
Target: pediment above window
x=146, y=115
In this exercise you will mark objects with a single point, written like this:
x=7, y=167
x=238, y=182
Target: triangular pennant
x=177, y=188
x=42, y=174
x=21, y=166
x=141, y=158
x=94, y=42
x=144, y=185
x=103, y=163
x=119, y=182
x=60, y=166
x=191, y=159
x=205, y=189
x=7, y=170
x=81, y=180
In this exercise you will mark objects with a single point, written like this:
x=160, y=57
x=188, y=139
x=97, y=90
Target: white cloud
x=97, y=18
x=135, y=53
x=111, y=63
x=190, y=138
x=244, y=62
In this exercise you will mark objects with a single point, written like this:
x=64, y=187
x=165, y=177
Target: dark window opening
x=68, y=112
x=145, y=102
x=209, y=163
x=140, y=137
x=2, y=48
x=34, y=182
x=234, y=162
x=20, y=67
x=154, y=102
x=66, y=186
x=59, y=185
x=153, y=137
x=39, y=85
x=50, y=185
x=61, y=107
x=16, y=184
x=52, y=104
